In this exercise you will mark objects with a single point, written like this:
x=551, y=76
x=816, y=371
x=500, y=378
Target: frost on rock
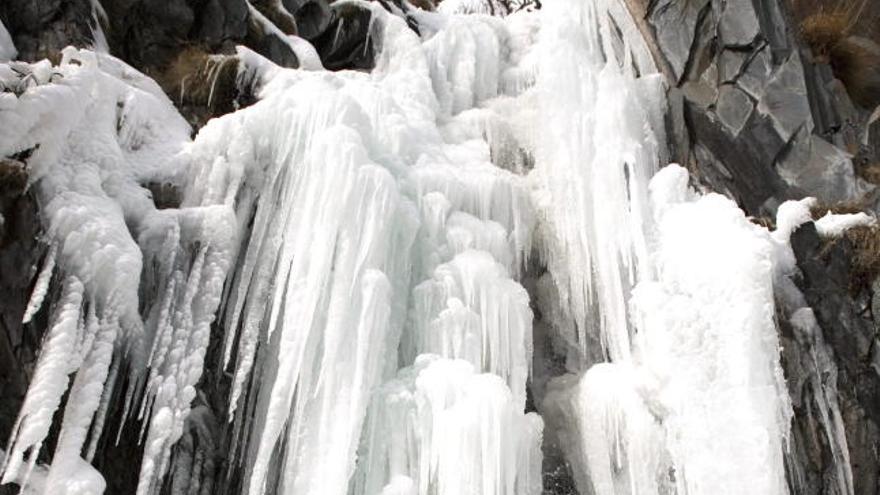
x=441, y=428
x=832, y=225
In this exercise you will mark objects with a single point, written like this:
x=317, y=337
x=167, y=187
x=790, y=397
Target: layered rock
x=756, y=116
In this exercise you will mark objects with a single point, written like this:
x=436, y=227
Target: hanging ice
x=362, y=239
x=441, y=428
x=592, y=168
x=705, y=381
x=338, y=172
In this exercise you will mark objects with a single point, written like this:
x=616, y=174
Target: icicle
x=471, y=310
x=592, y=170
x=440, y=428
x=47, y=385
x=7, y=48
x=83, y=402
x=612, y=440
x=41, y=286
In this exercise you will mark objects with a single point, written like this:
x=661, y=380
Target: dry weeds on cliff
x=865, y=261
x=864, y=241
x=845, y=34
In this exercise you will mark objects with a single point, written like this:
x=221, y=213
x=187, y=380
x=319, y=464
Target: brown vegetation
x=844, y=34
x=423, y=4
x=863, y=240
x=202, y=85
x=865, y=259
x=819, y=210
x=870, y=173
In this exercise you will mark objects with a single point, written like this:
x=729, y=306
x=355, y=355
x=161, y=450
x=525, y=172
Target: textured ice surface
x=7, y=47
x=355, y=198
x=441, y=428
x=360, y=239
x=592, y=167
x=701, y=407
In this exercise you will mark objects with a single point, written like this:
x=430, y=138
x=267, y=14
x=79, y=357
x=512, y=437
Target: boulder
x=347, y=43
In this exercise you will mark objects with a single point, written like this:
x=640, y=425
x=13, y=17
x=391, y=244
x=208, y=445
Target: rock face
x=750, y=113
x=848, y=331
x=346, y=43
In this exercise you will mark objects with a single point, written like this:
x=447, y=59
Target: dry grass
x=767, y=222
x=13, y=176
x=427, y=5
x=844, y=34
x=870, y=172
x=865, y=261
x=821, y=31
x=819, y=210
x=824, y=21
x=865, y=242
x=207, y=84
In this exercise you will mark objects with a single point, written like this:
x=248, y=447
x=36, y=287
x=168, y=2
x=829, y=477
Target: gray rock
x=270, y=46
x=31, y=15
x=775, y=28
x=347, y=43
x=21, y=251
x=850, y=336
x=748, y=158
x=785, y=99
x=675, y=24
x=733, y=108
x=222, y=20
x=819, y=169
x=739, y=24
x=312, y=16
x=40, y=29
x=700, y=93
x=730, y=65
x=756, y=73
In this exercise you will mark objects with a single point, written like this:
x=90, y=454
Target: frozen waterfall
x=367, y=255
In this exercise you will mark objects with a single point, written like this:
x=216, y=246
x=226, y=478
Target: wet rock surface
x=346, y=43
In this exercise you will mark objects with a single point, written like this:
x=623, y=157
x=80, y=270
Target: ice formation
x=704, y=381
x=592, y=167
x=7, y=47
x=442, y=428
x=356, y=245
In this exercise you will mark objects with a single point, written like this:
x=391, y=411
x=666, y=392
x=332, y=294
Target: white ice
x=443, y=429
x=361, y=239
x=7, y=47
x=701, y=407
x=831, y=225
